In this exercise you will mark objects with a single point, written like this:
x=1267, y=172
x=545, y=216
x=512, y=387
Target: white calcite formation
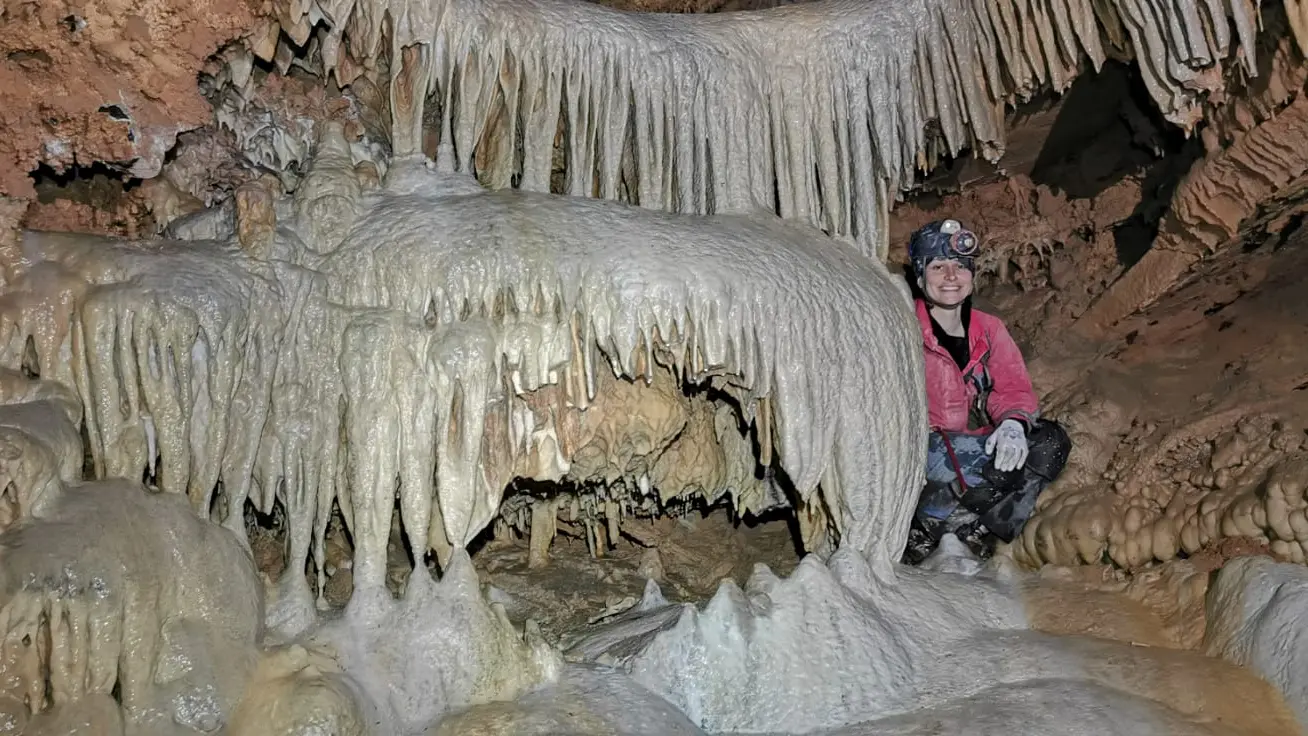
x=438, y=648
x=111, y=589
x=375, y=352
x=385, y=344
x=821, y=112
x=1255, y=618
x=833, y=651
x=109, y=594
x=425, y=341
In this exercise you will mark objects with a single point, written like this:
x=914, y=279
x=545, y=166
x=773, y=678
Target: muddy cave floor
x=688, y=556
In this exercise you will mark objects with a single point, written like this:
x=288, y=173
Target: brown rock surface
x=104, y=80
x=1188, y=424
x=1255, y=157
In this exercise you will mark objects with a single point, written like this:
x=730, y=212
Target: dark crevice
x=31, y=363
x=487, y=535
x=1135, y=235
x=116, y=112
x=30, y=59
x=272, y=529
x=50, y=183
x=1106, y=128
x=103, y=187
x=1292, y=226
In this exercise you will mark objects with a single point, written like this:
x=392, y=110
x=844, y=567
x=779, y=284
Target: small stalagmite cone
x=256, y=215
x=543, y=529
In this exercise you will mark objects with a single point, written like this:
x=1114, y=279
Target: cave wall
x=111, y=81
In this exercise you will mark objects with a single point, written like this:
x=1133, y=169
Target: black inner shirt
x=957, y=346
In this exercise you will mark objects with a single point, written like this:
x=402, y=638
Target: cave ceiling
x=110, y=131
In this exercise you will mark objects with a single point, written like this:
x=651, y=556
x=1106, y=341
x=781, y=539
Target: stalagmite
x=543, y=517
x=784, y=656
x=470, y=653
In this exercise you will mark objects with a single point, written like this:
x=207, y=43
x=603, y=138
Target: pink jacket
x=992, y=351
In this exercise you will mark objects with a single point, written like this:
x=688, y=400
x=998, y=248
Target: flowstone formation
x=119, y=610
x=1218, y=453
x=355, y=354
x=429, y=348
x=422, y=342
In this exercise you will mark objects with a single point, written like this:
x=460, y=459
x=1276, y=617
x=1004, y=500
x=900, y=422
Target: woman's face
x=947, y=282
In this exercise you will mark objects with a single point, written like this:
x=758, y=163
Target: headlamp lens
x=964, y=242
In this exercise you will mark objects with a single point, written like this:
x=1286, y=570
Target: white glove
x=1008, y=444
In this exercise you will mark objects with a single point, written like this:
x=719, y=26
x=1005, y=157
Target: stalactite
x=817, y=111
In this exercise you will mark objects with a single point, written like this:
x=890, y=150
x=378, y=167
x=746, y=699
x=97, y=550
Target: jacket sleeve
x=1012, y=396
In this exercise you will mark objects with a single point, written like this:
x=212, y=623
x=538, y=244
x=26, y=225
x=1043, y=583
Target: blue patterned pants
x=986, y=502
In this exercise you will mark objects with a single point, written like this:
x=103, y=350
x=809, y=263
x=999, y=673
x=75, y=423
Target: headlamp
x=964, y=243
x=961, y=242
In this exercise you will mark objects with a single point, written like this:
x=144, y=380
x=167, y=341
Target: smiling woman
x=989, y=454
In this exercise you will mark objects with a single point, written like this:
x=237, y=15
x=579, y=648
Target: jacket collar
x=977, y=343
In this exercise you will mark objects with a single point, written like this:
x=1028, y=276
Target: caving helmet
x=943, y=239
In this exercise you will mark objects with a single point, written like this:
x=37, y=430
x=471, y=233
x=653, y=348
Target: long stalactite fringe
x=319, y=369
x=823, y=112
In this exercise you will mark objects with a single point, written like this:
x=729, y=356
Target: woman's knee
x=1049, y=447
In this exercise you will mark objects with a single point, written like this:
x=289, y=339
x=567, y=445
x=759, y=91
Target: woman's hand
x=1008, y=444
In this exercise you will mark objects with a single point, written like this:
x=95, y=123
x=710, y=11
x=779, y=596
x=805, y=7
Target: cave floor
x=688, y=557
